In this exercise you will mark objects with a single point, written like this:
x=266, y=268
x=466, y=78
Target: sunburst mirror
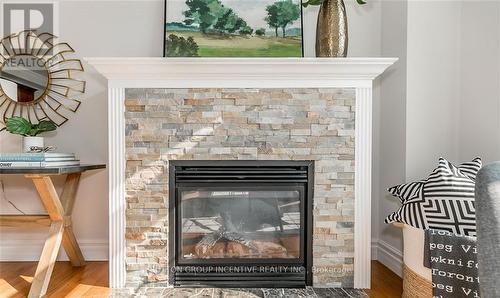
x=37, y=79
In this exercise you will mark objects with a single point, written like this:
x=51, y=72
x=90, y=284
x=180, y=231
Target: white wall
x=479, y=125
x=121, y=28
x=433, y=74
x=449, y=75
x=453, y=90
x=392, y=132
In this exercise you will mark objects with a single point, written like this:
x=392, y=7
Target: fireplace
x=241, y=223
x=162, y=110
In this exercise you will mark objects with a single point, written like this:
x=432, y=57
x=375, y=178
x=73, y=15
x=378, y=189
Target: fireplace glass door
x=240, y=222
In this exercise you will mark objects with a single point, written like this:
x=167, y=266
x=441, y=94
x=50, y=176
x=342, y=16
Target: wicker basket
x=415, y=286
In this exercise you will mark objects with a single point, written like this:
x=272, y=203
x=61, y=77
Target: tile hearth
x=308, y=292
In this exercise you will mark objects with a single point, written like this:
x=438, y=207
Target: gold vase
x=331, y=31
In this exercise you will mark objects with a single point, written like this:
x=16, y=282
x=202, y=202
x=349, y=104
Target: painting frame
x=165, y=31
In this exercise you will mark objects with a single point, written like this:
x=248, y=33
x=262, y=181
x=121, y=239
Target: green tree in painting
x=272, y=17
x=229, y=22
x=212, y=15
x=260, y=32
x=222, y=22
x=181, y=47
x=281, y=14
x=201, y=12
x=240, y=23
x=246, y=30
x=289, y=12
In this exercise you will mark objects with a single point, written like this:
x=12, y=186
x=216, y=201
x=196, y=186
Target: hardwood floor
x=66, y=281
x=92, y=280
x=385, y=283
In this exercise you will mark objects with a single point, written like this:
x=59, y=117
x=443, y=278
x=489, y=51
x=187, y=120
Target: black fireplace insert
x=240, y=223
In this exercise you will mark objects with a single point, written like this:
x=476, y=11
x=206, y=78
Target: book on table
x=37, y=160
x=48, y=156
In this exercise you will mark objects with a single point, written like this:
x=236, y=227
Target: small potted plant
x=29, y=131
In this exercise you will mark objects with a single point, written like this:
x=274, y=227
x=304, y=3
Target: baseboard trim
x=375, y=249
x=388, y=255
x=30, y=250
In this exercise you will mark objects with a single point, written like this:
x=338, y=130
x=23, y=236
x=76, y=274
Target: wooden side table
x=59, y=211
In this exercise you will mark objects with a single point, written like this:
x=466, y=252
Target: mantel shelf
x=240, y=72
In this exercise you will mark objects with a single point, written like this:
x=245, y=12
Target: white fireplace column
x=358, y=73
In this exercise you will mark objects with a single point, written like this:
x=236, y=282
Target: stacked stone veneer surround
x=245, y=124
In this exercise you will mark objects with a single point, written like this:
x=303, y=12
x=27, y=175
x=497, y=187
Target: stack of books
x=37, y=160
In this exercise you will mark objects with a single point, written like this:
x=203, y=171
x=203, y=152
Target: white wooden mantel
x=357, y=73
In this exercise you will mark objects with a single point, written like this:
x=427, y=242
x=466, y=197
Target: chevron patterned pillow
x=445, y=200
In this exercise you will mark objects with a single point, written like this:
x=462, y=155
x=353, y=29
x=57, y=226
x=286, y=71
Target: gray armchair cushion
x=488, y=229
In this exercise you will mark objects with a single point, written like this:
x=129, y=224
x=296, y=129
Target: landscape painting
x=233, y=28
